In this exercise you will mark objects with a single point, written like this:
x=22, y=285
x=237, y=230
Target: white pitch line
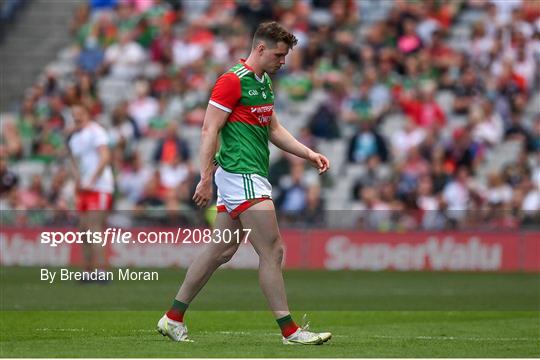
x=238, y=333
x=48, y=329
x=389, y=337
x=451, y=338
x=154, y=331
x=233, y=333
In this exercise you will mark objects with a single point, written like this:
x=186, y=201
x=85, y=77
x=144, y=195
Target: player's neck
x=256, y=68
x=85, y=125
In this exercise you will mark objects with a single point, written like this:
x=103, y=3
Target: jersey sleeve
x=226, y=92
x=100, y=137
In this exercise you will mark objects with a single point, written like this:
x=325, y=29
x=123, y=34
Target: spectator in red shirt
x=442, y=55
x=171, y=146
x=424, y=112
x=160, y=49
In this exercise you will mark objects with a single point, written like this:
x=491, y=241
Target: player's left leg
x=95, y=221
x=93, y=208
x=266, y=239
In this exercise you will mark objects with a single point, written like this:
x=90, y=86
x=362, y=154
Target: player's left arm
x=104, y=161
x=283, y=139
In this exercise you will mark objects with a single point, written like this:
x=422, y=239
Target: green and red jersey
x=244, y=138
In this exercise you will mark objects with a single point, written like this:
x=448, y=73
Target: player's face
x=273, y=58
x=79, y=116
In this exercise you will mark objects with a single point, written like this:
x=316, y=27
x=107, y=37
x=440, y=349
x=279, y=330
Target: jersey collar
x=243, y=61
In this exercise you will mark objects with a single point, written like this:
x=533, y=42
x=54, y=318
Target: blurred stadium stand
x=9, y=9
x=35, y=30
x=423, y=107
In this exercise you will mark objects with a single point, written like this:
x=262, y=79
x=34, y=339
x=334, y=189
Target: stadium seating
x=335, y=81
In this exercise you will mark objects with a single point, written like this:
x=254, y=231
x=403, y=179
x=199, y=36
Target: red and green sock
x=287, y=325
x=177, y=310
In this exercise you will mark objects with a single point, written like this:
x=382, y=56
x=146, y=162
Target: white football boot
x=325, y=336
x=303, y=336
x=175, y=330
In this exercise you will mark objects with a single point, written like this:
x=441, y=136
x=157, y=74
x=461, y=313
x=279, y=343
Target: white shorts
x=238, y=192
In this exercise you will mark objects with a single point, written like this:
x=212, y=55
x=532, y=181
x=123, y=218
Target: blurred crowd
x=359, y=65
x=8, y=14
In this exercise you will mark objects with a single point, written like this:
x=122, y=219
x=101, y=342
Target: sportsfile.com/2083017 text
x=121, y=236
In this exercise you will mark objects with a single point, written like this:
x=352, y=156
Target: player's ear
x=261, y=46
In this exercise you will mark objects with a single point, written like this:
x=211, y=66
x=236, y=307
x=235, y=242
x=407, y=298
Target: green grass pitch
x=387, y=314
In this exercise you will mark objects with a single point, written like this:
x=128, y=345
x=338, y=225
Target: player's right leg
x=199, y=272
x=214, y=255
x=266, y=239
x=83, y=225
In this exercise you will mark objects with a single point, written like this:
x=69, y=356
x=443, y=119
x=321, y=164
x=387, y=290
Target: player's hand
x=203, y=193
x=92, y=182
x=319, y=161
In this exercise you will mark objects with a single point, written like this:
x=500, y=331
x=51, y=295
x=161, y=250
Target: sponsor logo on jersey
x=253, y=93
x=262, y=109
x=263, y=113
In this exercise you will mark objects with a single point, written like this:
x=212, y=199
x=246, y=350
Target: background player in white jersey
x=91, y=167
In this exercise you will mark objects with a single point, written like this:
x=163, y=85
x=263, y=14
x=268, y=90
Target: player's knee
x=277, y=251
x=225, y=256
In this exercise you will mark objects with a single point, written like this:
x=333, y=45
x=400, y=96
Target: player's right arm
x=214, y=120
x=225, y=95
x=73, y=167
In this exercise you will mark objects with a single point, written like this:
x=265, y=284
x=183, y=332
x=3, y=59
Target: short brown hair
x=271, y=33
